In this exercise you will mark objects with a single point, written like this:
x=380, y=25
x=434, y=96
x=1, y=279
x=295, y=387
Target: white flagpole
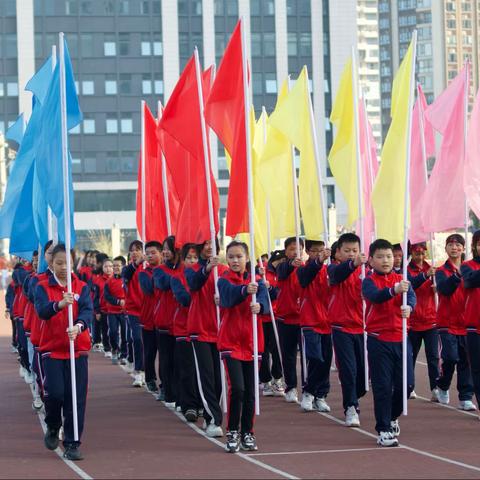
x=206, y=158
x=166, y=200
x=250, y=209
x=267, y=206
x=465, y=121
x=405, y=223
x=143, y=172
x=52, y=220
x=66, y=215
x=360, y=201
x=317, y=161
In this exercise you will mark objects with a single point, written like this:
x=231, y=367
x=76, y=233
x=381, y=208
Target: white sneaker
x=434, y=397
x=387, y=439
x=278, y=388
x=22, y=372
x=129, y=368
x=267, y=390
x=108, y=354
x=170, y=405
x=307, y=402
x=413, y=395
x=351, y=417
x=395, y=426
x=214, y=431
x=204, y=425
x=467, y=405
x=443, y=396
x=28, y=378
x=37, y=403
x=291, y=396
x=321, y=405
x=137, y=380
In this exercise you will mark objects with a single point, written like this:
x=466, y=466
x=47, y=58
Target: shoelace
x=248, y=438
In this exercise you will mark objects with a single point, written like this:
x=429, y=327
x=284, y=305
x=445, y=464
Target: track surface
x=130, y=435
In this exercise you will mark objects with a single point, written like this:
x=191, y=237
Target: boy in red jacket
x=346, y=317
x=100, y=305
x=383, y=289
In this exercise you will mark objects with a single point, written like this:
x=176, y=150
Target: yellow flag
x=276, y=176
x=388, y=197
x=292, y=118
x=343, y=156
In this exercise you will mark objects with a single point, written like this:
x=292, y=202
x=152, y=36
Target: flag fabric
x=418, y=166
x=292, y=119
x=225, y=113
x=443, y=205
x=155, y=212
x=16, y=130
x=471, y=178
x=388, y=195
x=276, y=176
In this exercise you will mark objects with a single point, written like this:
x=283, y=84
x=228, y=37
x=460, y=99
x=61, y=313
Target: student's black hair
x=108, y=259
x=419, y=244
x=475, y=240
x=170, y=242
x=155, y=244
x=186, y=248
x=35, y=253
x=455, y=237
x=397, y=248
x=379, y=244
x=85, y=256
x=309, y=244
x=348, y=238
x=333, y=248
x=288, y=241
x=276, y=256
x=100, y=258
x=200, y=246
x=236, y=243
x=135, y=244
x=120, y=258
x=60, y=247
x=47, y=246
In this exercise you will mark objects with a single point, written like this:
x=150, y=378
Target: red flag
x=225, y=113
x=180, y=135
x=155, y=213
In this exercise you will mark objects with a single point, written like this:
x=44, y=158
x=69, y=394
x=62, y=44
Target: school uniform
x=288, y=315
x=235, y=343
x=202, y=327
x=100, y=308
x=9, y=299
x=423, y=321
x=471, y=280
x=453, y=331
x=113, y=294
x=55, y=349
x=384, y=326
x=315, y=326
x=345, y=311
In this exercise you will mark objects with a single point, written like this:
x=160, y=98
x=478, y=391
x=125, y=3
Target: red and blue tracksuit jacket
x=384, y=318
x=235, y=337
x=345, y=308
x=113, y=293
x=99, y=302
x=273, y=291
x=451, y=300
x=85, y=274
x=288, y=300
x=166, y=304
x=54, y=338
x=425, y=315
x=147, y=312
x=35, y=322
x=20, y=302
x=471, y=280
x=134, y=294
x=181, y=293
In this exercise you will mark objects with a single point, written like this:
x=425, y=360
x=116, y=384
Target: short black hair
x=154, y=243
x=135, y=244
x=455, y=237
x=379, y=244
x=186, y=248
x=309, y=244
x=475, y=240
x=397, y=248
x=236, y=243
x=288, y=241
x=47, y=246
x=200, y=246
x=170, y=242
x=334, y=249
x=60, y=247
x=348, y=238
x=120, y=258
x=35, y=253
x=101, y=257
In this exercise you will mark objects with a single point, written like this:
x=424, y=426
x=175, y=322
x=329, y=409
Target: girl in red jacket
x=51, y=304
x=235, y=342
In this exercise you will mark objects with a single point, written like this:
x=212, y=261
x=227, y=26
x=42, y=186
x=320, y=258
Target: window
x=292, y=45
x=126, y=123
x=76, y=166
x=129, y=162
x=88, y=87
x=109, y=7
x=86, y=7
x=146, y=85
x=306, y=44
x=158, y=87
x=257, y=83
x=146, y=48
x=10, y=45
x=75, y=130
x=113, y=162
x=268, y=7
x=123, y=7
x=86, y=44
x=269, y=44
x=451, y=23
x=256, y=45
x=452, y=57
x=90, y=165
x=71, y=7
x=270, y=83
x=125, y=86
x=157, y=46
x=111, y=85
x=2, y=91
x=88, y=126
x=109, y=46
x=112, y=124
x=12, y=89
x=124, y=44
x=105, y=200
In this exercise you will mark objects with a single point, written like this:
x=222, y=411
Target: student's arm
x=161, y=280
x=128, y=272
x=9, y=297
x=307, y=273
x=231, y=295
x=85, y=308
x=273, y=292
x=180, y=292
x=96, y=299
x=284, y=269
x=262, y=298
x=25, y=285
x=32, y=285
x=447, y=285
x=339, y=272
x=471, y=277
x=374, y=294
x=107, y=295
x=417, y=280
x=196, y=279
x=45, y=308
x=146, y=283
x=411, y=298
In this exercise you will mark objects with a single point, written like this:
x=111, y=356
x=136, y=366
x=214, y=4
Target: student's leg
x=464, y=375
x=276, y=369
x=125, y=343
x=113, y=327
x=236, y=391
x=206, y=360
x=360, y=361
x=129, y=334
x=449, y=360
x=416, y=342
x=313, y=353
x=81, y=376
x=14, y=333
x=104, y=327
x=264, y=374
x=432, y=353
x=166, y=352
x=290, y=340
x=150, y=353
x=347, y=367
x=473, y=342
x=179, y=373
x=22, y=345
x=97, y=331
x=54, y=393
x=136, y=330
x=216, y=371
x=397, y=396
x=248, y=405
x=189, y=384
x=324, y=375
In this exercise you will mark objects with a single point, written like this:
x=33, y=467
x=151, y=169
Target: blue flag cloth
x=15, y=131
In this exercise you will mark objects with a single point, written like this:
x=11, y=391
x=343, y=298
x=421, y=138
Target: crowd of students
x=180, y=322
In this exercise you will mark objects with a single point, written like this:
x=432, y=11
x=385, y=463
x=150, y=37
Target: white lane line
x=307, y=452
x=450, y=407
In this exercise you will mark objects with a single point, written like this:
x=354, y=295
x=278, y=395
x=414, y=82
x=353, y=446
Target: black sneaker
x=233, y=442
x=152, y=386
x=200, y=412
x=191, y=415
x=248, y=442
x=73, y=453
x=161, y=395
x=51, y=438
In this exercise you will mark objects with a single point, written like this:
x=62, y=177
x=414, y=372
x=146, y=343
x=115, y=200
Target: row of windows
x=123, y=86
x=9, y=89
x=112, y=125
x=105, y=201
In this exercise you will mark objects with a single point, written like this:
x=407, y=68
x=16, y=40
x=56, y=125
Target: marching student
x=423, y=321
x=51, y=304
x=153, y=255
x=95, y=283
x=9, y=299
x=114, y=295
x=383, y=290
x=315, y=326
x=470, y=271
x=346, y=317
x=88, y=264
x=235, y=342
x=397, y=258
x=203, y=331
x=288, y=314
x=187, y=391
x=133, y=307
x=271, y=367
x=100, y=306
x=451, y=325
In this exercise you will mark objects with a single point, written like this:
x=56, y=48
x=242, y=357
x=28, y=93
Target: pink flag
x=444, y=199
x=420, y=150
x=472, y=159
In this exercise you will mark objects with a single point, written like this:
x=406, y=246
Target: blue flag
x=15, y=131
